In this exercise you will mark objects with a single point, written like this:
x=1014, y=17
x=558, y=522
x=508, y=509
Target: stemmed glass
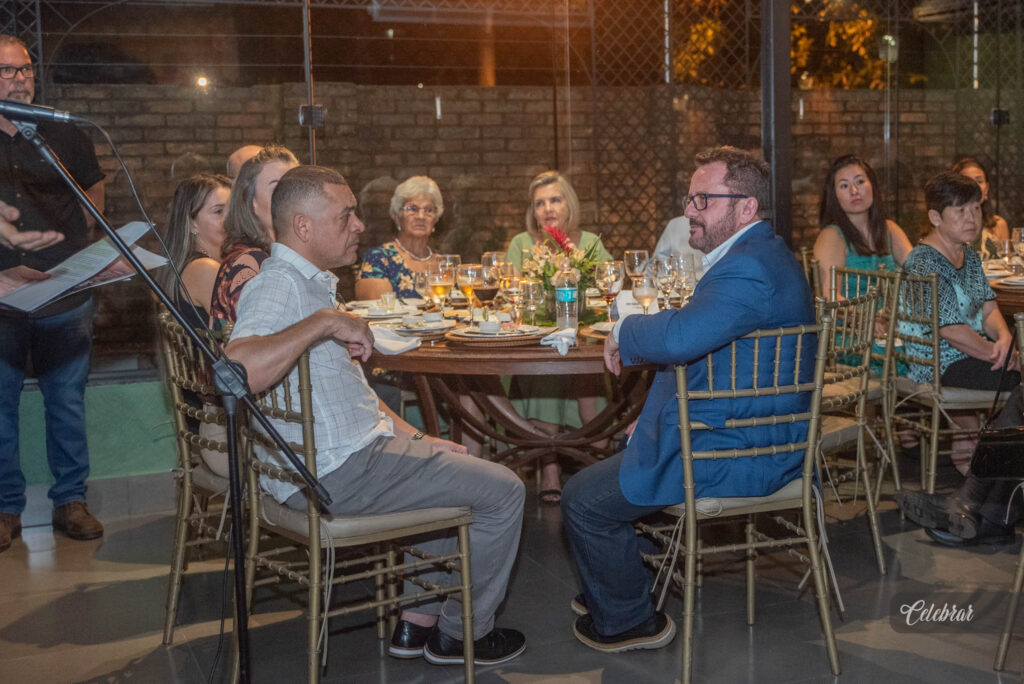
x=512, y=292
x=469, y=278
x=533, y=296
x=421, y=283
x=445, y=264
x=441, y=280
x=492, y=258
x=636, y=261
x=665, y=273
x=687, y=278
x=491, y=278
x=608, y=276
x=645, y=290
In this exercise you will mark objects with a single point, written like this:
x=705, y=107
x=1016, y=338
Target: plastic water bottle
x=566, y=283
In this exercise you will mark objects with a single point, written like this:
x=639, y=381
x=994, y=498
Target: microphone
x=19, y=111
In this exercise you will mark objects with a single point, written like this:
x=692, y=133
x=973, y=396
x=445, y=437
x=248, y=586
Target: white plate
x=603, y=326
x=422, y=328
x=474, y=331
x=399, y=311
x=1015, y=281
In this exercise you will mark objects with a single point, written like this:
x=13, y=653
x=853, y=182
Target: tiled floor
x=93, y=611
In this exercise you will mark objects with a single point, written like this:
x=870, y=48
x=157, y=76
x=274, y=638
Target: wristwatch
x=419, y=434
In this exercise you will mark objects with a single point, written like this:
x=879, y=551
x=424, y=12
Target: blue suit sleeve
x=731, y=300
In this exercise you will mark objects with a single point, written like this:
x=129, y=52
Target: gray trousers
x=397, y=474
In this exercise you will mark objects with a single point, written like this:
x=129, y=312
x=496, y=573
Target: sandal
x=550, y=497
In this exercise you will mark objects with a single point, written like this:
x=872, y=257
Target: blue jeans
x=59, y=346
x=599, y=521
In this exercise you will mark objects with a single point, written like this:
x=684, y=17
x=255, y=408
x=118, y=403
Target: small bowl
x=410, y=321
x=489, y=326
x=432, y=317
x=376, y=311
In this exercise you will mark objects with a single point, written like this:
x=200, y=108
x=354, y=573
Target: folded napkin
x=561, y=339
x=390, y=343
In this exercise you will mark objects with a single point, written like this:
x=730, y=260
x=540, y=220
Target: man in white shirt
x=368, y=458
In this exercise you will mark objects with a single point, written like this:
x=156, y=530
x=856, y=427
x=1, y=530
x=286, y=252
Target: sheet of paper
x=76, y=271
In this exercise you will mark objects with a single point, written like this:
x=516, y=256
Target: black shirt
x=45, y=202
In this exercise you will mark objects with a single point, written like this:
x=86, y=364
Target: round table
x=1010, y=299
x=445, y=371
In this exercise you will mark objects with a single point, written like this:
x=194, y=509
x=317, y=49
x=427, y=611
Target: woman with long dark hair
x=194, y=236
x=854, y=230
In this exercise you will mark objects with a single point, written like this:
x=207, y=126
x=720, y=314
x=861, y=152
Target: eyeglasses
x=8, y=72
x=700, y=200
x=413, y=210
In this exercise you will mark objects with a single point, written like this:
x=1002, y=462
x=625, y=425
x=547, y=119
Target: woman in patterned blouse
x=974, y=340
x=416, y=208
x=248, y=229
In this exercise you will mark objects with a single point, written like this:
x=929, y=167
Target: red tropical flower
x=560, y=238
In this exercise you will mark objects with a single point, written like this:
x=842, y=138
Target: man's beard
x=715, y=234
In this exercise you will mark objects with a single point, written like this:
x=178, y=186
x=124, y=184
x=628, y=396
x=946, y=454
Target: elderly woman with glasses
x=416, y=207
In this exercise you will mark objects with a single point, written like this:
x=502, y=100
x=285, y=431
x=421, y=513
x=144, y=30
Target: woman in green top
x=854, y=230
x=553, y=202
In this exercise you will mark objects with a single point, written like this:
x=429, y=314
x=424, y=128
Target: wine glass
x=512, y=292
x=645, y=290
x=636, y=261
x=687, y=277
x=608, y=276
x=491, y=258
x=469, y=278
x=421, y=283
x=491, y=279
x=533, y=296
x=441, y=279
x=665, y=272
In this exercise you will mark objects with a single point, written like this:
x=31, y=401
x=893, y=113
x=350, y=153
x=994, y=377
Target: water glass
x=645, y=290
x=635, y=262
x=608, y=277
x=533, y=296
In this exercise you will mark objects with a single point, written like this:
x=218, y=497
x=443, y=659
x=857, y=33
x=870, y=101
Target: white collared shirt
x=288, y=289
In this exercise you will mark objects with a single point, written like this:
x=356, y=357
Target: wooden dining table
x=1010, y=299
x=445, y=371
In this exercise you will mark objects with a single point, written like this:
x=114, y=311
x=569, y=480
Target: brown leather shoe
x=10, y=529
x=74, y=520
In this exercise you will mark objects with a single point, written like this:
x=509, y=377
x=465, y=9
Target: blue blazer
x=756, y=284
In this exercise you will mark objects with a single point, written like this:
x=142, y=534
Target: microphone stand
x=230, y=379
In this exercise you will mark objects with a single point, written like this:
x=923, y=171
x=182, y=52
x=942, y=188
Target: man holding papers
x=57, y=338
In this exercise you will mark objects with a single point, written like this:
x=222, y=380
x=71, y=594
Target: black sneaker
x=408, y=640
x=498, y=646
x=927, y=510
x=579, y=604
x=987, y=534
x=655, y=632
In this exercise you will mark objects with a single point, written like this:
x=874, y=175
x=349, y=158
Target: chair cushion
x=837, y=431
x=711, y=506
x=203, y=477
x=951, y=397
x=342, y=527
x=835, y=390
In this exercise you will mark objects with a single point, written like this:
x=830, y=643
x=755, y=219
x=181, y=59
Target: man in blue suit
x=751, y=281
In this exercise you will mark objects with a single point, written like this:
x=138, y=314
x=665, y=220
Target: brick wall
x=483, y=150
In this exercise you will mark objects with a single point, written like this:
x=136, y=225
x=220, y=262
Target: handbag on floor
x=1000, y=450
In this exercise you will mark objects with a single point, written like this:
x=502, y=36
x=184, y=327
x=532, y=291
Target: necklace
x=430, y=252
